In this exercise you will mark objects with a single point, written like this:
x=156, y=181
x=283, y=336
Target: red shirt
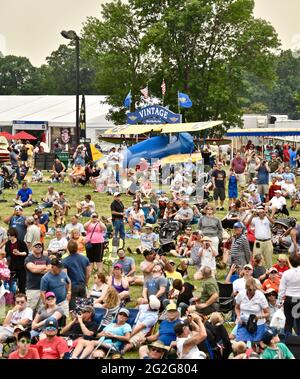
x=238, y=165
x=31, y=354
x=280, y=269
x=272, y=189
x=52, y=349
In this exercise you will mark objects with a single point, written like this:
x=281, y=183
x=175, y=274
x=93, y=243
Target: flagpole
x=178, y=102
x=162, y=91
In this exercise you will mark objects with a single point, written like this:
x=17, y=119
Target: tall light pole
x=71, y=34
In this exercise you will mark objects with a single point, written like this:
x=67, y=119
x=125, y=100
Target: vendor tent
x=24, y=135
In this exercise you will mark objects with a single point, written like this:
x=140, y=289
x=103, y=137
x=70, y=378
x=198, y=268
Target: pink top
x=98, y=235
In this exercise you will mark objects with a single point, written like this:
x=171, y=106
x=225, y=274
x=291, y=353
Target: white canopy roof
x=57, y=110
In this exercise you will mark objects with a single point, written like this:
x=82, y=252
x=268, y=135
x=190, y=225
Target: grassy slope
x=102, y=202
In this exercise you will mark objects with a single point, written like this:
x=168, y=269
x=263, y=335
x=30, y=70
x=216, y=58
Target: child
x=208, y=257
x=232, y=186
x=282, y=264
x=275, y=349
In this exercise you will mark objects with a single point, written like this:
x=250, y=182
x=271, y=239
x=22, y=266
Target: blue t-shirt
x=118, y=331
x=153, y=285
x=166, y=331
x=288, y=176
x=18, y=222
x=57, y=284
x=76, y=265
x=293, y=155
x=262, y=175
x=24, y=194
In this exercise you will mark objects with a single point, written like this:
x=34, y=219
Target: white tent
x=57, y=111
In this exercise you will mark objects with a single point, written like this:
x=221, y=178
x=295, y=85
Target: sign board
x=153, y=114
x=83, y=140
x=30, y=125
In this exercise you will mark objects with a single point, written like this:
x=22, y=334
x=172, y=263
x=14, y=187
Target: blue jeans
x=119, y=228
x=17, y=171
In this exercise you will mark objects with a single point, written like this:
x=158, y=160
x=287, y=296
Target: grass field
x=102, y=202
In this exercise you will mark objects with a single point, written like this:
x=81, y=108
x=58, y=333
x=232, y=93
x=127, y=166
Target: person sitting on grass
x=50, y=197
x=119, y=282
x=62, y=204
x=57, y=245
x=110, y=302
x=76, y=174
x=112, y=337
x=275, y=349
x=37, y=176
x=24, y=196
x=136, y=218
x=86, y=207
x=58, y=171
x=156, y=350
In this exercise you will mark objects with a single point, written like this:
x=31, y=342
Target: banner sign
x=153, y=114
x=30, y=125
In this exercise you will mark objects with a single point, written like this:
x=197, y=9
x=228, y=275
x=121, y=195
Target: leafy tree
x=18, y=76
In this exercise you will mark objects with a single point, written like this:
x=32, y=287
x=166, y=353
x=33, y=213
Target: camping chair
x=226, y=299
x=281, y=213
x=110, y=254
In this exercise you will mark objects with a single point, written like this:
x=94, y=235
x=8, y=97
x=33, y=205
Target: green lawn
x=102, y=202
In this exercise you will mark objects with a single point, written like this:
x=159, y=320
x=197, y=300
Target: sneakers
x=222, y=209
x=217, y=209
x=129, y=250
x=138, y=251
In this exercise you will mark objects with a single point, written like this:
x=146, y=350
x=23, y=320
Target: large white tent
x=57, y=111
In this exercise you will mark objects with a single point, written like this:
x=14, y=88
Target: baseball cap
x=249, y=266
x=154, y=303
x=178, y=328
x=273, y=269
x=18, y=208
x=171, y=307
x=37, y=243
x=118, y=265
x=88, y=308
x=24, y=333
x=238, y=225
x=124, y=310
x=148, y=226
x=269, y=334
x=57, y=262
x=19, y=327
x=117, y=194
x=49, y=294
x=51, y=323
x=207, y=239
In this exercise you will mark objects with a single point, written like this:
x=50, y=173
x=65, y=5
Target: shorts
x=241, y=179
x=137, y=339
x=95, y=253
x=219, y=193
x=263, y=189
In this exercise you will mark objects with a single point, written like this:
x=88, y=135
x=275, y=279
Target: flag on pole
x=127, y=100
x=82, y=118
x=163, y=87
x=145, y=92
x=184, y=101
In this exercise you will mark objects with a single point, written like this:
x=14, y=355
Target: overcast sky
x=32, y=28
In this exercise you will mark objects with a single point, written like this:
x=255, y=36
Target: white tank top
x=193, y=353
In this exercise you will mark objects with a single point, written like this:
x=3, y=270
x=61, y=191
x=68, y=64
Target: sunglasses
x=157, y=350
x=248, y=269
x=24, y=340
x=280, y=261
x=20, y=302
x=50, y=298
x=38, y=246
x=271, y=294
x=123, y=314
x=273, y=272
x=51, y=329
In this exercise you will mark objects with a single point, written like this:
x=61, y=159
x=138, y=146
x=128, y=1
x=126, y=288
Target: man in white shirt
x=240, y=284
x=58, y=244
x=277, y=203
x=21, y=314
x=288, y=188
x=261, y=222
x=113, y=157
x=74, y=224
x=187, y=342
x=148, y=239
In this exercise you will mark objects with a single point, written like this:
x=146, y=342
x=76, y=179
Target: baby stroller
x=9, y=175
x=278, y=229
x=168, y=235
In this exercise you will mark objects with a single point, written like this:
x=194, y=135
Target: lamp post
x=71, y=34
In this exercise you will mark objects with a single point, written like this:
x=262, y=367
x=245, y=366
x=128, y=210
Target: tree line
x=228, y=61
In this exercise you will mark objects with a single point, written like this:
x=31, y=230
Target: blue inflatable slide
x=159, y=147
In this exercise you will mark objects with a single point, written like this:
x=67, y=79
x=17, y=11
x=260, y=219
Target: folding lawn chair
x=226, y=299
x=110, y=254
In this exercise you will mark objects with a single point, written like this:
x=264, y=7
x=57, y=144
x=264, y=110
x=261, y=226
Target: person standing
x=263, y=171
x=240, y=252
x=14, y=162
x=33, y=232
x=36, y=265
x=262, y=231
x=95, y=230
x=117, y=212
x=78, y=269
x=17, y=221
x=211, y=226
x=239, y=165
x=16, y=252
x=218, y=180
x=57, y=281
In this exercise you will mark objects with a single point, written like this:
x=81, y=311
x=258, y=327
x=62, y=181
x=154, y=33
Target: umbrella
x=24, y=135
x=6, y=135
x=181, y=158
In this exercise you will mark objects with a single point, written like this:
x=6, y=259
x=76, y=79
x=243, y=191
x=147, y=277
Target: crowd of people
x=71, y=277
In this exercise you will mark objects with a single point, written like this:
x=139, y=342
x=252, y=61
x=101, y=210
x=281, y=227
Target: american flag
x=163, y=87
x=145, y=92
